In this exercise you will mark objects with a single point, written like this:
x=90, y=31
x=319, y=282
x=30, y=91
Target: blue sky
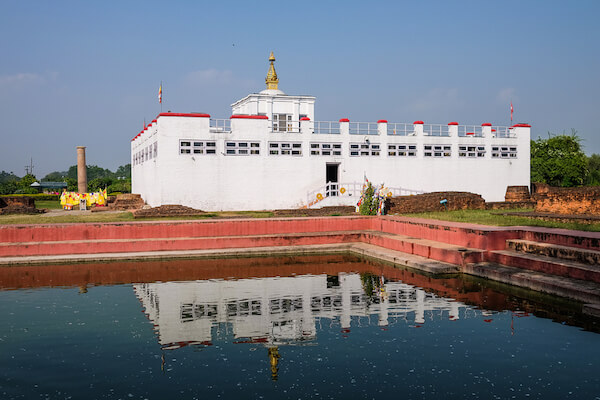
x=87, y=72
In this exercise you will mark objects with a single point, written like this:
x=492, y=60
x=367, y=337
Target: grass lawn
x=491, y=217
x=50, y=204
x=41, y=219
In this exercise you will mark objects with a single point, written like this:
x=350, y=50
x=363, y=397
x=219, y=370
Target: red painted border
x=171, y=114
x=304, y=119
x=453, y=123
x=521, y=126
x=486, y=124
x=344, y=120
x=240, y=116
x=382, y=121
x=418, y=123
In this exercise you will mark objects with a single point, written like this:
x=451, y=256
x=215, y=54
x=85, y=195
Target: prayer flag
x=160, y=94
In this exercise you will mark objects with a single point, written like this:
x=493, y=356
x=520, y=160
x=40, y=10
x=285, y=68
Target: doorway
x=331, y=179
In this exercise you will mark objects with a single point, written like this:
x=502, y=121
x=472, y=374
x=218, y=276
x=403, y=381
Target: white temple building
x=272, y=154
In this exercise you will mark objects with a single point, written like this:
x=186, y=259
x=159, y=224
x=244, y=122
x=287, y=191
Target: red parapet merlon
x=382, y=121
x=240, y=116
x=193, y=115
x=521, y=126
x=344, y=120
x=486, y=124
x=418, y=123
x=304, y=119
x=453, y=123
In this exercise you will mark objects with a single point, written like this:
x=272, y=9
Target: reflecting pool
x=330, y=326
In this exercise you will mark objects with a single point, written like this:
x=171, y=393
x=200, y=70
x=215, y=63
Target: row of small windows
x=504, y=152
x=325, y=149
x=402, y=150
x=471, y=151
x=197, y=147
x=285, y=148
x=364, y=149
x=242, y=148
x=437, y=150
x=328, y=149
x=145, y=154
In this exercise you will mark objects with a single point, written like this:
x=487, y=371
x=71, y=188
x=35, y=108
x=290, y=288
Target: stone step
x=431, y=249
x=97, y=246
x=580, y=290
x=584, y=256
x=545, y=264
x=563, y=237
x=428, y=249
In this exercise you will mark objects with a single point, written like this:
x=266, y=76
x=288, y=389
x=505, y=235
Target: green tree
x=71, y=184
x=8, y=177
x=368, y=205
x=123, y=172
x=593, y=178
x=93, y=172
x=24, y=184
x=9, y=187
x=558, y=160
x=98, y=184
x=56, y=176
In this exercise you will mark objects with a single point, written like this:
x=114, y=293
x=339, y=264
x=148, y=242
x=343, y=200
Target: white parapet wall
x=251, y=162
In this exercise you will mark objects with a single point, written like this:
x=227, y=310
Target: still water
x=295, y=327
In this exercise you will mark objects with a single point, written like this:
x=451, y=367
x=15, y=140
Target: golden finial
x=271, y=80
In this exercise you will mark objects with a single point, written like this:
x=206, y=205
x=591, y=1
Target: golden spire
x=271, y=80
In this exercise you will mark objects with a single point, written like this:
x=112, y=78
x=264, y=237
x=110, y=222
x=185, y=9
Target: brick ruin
x=17, y=205
x=573, y=200
x=434, y=202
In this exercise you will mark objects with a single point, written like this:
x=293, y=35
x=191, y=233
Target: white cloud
x=506, y=95
x=20, y=78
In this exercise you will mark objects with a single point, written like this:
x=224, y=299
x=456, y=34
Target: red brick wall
x=577, y=200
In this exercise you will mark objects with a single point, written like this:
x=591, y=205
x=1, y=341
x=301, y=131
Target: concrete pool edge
x=430, y=246
x=543, y=283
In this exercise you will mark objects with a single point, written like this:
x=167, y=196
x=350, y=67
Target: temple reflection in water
x=282, y=310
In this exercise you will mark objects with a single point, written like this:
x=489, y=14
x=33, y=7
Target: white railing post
x=305, y=125
x=382, y=127
x=486, y=129
x=345, y=126
x=418, y=127
x=453, y=129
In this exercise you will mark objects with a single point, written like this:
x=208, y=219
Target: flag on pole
x=160, y=94
x=511, y=111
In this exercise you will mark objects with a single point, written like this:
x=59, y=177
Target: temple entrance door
x=331, y=179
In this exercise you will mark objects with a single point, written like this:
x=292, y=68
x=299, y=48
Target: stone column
x=81, y=170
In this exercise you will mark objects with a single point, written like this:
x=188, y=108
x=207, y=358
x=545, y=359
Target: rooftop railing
x=503, y=132
x=435, y=130
x=285, y=126
x=220, y=125
x=326, y=128
x=363, y=128
x=470, y=131
x=400, y=129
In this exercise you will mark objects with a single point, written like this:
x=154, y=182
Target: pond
x=323, y=327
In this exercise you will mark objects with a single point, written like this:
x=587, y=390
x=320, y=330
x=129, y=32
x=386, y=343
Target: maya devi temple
x=272, y=154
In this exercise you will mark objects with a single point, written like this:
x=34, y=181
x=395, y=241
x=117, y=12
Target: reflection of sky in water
x=58, y=343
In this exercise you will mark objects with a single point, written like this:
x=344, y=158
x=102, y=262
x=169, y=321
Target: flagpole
x=161, y=97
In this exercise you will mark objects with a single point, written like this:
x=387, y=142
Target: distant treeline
x=98, y=179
